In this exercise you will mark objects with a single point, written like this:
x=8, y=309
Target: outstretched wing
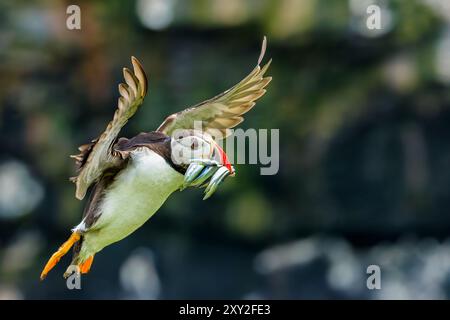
x=98, y=155
x=219, y=114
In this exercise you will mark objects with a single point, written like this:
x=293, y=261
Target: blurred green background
x=364, y=130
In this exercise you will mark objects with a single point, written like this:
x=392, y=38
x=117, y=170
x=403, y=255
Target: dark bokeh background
x=364, y=128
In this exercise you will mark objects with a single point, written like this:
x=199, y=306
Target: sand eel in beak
x=130, y=179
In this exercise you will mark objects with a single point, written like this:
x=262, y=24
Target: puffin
x=128, y=180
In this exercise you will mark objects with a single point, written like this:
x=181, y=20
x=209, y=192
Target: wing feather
x=224, y=111
x=98, y=156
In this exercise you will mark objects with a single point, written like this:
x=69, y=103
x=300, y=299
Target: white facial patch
x=187, y=148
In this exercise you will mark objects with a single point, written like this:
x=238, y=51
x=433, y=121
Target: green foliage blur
x=364, y=154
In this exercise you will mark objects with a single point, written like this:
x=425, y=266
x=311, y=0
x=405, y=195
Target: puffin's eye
x=194, y=144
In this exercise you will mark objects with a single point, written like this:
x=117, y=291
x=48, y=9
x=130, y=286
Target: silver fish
x=192, y=172
x=204, y=175
x=216, y=180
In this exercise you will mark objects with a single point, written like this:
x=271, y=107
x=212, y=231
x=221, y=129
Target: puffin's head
x=188, y=145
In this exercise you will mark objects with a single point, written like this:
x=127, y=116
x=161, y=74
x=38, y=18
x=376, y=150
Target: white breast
x=136, y=194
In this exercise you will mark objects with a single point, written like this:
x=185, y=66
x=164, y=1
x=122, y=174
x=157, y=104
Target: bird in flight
x=130, y=179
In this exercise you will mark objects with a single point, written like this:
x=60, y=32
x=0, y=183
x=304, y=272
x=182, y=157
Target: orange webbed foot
x=86, y=265
x=54, y=259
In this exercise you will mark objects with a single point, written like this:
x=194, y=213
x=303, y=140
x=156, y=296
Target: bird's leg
x=86, y=265
x=63, y=249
